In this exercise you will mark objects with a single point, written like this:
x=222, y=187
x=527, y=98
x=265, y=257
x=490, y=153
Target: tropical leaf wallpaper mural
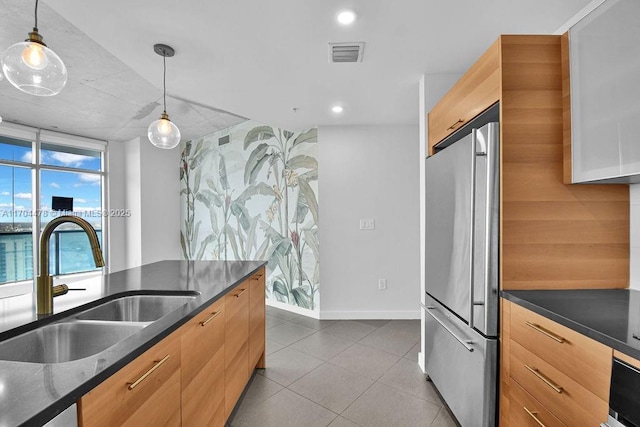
x=255, y=198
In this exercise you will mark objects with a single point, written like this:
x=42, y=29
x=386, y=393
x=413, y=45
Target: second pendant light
x=163, y=133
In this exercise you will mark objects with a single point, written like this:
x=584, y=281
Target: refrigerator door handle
x=474, y=142
x=465, y=342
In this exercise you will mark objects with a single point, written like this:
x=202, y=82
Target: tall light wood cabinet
x=552, y=235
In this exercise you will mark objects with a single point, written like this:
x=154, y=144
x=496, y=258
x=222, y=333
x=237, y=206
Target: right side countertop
x=609, y=316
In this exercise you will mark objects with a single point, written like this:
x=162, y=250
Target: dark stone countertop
x=609, y=316
x=33, y=394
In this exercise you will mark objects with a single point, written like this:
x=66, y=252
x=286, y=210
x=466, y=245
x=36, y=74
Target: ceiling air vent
x=223, y=140
x=346, y=52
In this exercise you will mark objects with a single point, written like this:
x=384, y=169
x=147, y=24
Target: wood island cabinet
x=257, y=328
x=236, y=359
x=203, y=344
x=145, y=392
x=193, y=377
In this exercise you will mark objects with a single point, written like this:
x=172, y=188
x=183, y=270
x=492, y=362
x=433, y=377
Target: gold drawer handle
x=240, y=293
x=455, y=124
x=546, y=380
x=157, y=364
x=210, y=318
x=546, y=332
x=535, y=418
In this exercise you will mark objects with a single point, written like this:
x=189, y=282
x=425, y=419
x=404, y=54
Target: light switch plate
x=367, y=224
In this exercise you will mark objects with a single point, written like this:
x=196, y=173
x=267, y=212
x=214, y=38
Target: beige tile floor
x=341, y=373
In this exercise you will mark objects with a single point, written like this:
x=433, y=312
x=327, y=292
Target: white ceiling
x=261, y=59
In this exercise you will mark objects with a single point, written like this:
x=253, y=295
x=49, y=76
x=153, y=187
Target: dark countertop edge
x=53, y=410
x=602, y=338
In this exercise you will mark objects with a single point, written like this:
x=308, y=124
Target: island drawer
x=257, y=327
x=236, y=359
x=582, y=359
x=202, y=368
x=145, y=392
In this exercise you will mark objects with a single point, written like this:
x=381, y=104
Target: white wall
x=116, y=196
x=151, y=191
x=133, y=200
x=160, y=202
x=369, y=172
x=634, y=219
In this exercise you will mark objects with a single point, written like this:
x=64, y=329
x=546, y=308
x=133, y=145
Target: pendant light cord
x=36, y=15
x=164, y=82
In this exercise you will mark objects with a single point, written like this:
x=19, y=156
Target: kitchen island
x=33, y=393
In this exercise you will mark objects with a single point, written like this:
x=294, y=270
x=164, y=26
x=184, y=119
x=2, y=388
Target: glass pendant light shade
x=34, y=68
x=163, y=133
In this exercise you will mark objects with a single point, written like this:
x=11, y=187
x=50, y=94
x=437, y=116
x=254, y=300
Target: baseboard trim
x=314, y=314
x=367, y=315
x=346, y=315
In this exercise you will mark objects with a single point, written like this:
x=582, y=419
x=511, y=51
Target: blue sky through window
x=16, y=188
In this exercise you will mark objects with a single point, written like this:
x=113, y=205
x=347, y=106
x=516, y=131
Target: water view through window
x=63, y=171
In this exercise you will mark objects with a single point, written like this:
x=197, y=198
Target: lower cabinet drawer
x=582, y=359
x=573, y=404
x=146, y=392
x=526, y=411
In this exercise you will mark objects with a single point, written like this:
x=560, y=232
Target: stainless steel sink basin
x=136, y=308
x=65, y=341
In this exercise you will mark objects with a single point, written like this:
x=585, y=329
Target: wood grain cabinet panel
x=193, y=377
x=202, y=369
x=526, y=411
x=553, y=236
x=145, y=392
x=257, y=328
x=476, y=91
x=552, y=370
x=566, y=399
x=236, y=360
x=580, y=358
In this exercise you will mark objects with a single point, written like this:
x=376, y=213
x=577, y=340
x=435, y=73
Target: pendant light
x=34, y=68
x=163, y=133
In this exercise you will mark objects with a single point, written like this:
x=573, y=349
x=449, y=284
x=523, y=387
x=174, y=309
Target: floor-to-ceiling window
x=44, y=175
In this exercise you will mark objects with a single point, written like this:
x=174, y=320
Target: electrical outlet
x=382, y=284
x=367, y=224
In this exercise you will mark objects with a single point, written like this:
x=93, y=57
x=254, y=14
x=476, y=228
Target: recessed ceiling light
x=346, y=17
x=337, y=109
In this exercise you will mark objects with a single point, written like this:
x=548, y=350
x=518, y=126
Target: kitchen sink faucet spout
x=45, y=291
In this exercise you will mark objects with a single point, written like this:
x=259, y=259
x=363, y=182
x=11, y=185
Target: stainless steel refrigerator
x=461, y=304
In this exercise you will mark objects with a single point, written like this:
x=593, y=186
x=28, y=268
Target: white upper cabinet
x=604, y=49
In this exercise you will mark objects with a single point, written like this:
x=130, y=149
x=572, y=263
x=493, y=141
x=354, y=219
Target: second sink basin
x=136, y=308
x=65, y=341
